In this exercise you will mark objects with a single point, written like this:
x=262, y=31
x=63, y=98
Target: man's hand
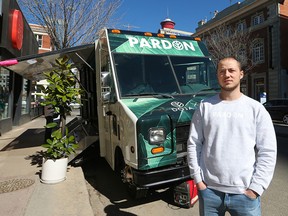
x=201, y=185
x=251, y=194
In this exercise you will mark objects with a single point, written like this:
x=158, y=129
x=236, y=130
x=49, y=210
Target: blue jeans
x=212, y=203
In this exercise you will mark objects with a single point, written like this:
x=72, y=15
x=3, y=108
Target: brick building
x=268, y=21
x=42, y=37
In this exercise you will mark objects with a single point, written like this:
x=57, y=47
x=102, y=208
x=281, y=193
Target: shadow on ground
x=30, y=138
x=103, y=179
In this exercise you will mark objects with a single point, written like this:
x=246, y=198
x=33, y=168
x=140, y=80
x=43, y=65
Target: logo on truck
x=154, y=43
x=179, y=106
x=140, y=44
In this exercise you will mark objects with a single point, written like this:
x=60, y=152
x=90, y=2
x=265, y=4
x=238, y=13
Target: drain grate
x=15, y=184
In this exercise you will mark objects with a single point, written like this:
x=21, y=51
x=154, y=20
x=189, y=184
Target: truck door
x=103, y=85
x=107, y=116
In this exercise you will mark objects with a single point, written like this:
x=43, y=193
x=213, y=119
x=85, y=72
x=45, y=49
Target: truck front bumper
x=161, y=176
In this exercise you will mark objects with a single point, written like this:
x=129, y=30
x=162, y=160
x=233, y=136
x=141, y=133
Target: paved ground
x=109, y=197
x=21, y=193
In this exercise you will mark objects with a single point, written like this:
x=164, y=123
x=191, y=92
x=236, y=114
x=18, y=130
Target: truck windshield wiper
x=152, y=94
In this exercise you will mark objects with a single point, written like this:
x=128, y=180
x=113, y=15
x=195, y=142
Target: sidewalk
x=22, y=193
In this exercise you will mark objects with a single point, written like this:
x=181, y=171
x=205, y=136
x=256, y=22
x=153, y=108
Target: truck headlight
x=157, y=135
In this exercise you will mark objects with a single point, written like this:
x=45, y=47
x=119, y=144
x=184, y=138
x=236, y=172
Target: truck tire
x=285, y=119
x=136, y=192
x=119, y=165
x=121, y=170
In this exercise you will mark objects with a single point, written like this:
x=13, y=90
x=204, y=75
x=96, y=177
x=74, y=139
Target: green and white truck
x=141, y=90
x=148, y=86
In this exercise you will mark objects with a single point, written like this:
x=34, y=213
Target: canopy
x=32, y=67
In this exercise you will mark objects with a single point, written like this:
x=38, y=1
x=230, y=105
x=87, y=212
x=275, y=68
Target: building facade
x=267, y=21
x=44, y=43
x=16, y=40
x=42, y=37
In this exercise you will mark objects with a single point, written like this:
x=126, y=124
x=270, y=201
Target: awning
x=32, y=67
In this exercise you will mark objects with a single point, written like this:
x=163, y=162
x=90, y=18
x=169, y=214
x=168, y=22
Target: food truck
x=141, y=90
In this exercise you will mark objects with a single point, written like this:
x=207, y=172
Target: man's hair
x=232, y=57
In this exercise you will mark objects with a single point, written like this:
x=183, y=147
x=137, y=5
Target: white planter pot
x=54, y=171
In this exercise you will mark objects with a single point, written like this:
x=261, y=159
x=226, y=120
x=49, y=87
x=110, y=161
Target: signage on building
x=17, y=29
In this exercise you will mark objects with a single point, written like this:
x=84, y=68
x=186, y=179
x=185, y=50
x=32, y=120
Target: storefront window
x=4, y=93
x=25, y=92
x=243, y=87
x=36, y=95
x=259, y=89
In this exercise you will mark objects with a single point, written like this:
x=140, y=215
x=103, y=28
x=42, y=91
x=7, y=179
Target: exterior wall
x=271, y=75
x=283, y=8
x=273, y=78
x=15, y=93
x=284, y=33
x=46, y=41
x=46, y=46
x=283, y=16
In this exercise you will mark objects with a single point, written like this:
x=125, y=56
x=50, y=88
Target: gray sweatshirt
x=232, y=145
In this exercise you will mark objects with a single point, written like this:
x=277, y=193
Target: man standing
x=231, y=148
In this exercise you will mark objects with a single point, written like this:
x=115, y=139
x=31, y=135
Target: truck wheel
x=119, y=162
x=285, y=119
x=136, y=192
x=127, y=177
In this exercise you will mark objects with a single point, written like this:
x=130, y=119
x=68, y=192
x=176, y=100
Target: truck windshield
x=165, y=75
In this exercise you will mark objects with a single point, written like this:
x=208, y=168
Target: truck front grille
x=182, y=133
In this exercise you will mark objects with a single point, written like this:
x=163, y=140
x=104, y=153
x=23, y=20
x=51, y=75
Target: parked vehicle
x=75, y=105
x=141, y=90
x=278, y=109
x=149, y=88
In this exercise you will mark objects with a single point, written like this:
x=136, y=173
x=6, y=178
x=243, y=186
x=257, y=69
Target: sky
x=146, y=15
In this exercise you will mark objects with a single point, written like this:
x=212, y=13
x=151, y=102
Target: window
x=242, y=51
x=242, y=55
x=243, y=87
x=39, y=39
x=25, y=93
x=213, y=37
x=257, y=19
x=241, y=26
x=258, y=51
x=228, y=31
x=4, y=93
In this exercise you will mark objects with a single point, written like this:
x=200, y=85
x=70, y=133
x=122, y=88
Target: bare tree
x=224, y=41
x=71, y=22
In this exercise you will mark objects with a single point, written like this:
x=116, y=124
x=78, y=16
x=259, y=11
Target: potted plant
x=59, y=94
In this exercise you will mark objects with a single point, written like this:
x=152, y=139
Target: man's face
x=229, y=74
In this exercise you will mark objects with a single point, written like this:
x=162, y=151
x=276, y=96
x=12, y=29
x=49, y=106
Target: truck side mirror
x=105, y=93
x=105, y=78
x=105, y=85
